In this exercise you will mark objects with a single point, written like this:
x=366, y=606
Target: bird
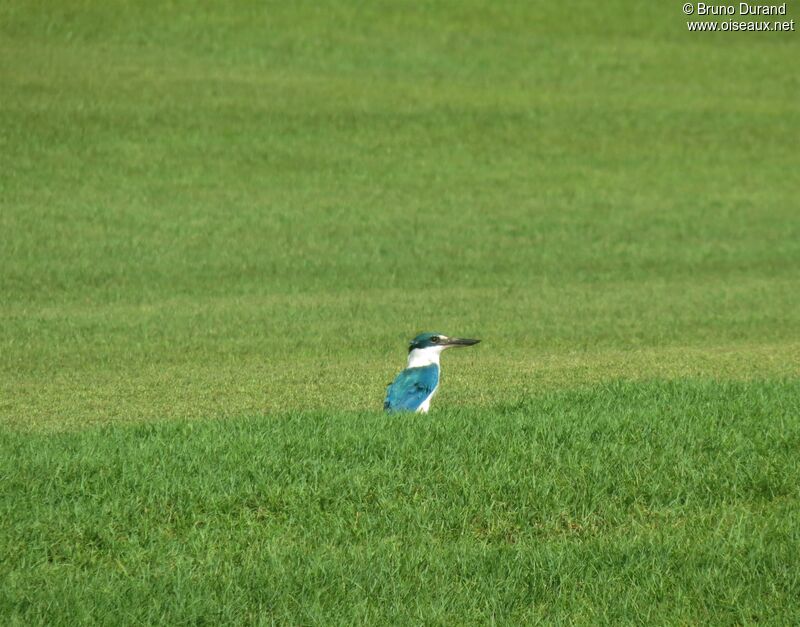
x=414, y=387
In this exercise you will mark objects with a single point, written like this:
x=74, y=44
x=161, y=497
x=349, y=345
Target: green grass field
x=220, y=223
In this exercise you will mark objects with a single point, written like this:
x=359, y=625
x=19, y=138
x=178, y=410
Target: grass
x=628, y=502
x=219, y=226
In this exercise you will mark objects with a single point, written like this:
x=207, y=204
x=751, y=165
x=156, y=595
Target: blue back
x=410, y=388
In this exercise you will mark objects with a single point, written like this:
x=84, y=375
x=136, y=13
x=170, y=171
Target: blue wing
x=410, y=388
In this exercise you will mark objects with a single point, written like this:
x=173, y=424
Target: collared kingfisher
x=414, y=387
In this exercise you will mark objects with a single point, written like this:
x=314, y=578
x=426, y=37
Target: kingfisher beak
x=459, y=341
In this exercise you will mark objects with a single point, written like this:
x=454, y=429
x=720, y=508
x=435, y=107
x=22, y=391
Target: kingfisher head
x=426, y=347
x=438, y=340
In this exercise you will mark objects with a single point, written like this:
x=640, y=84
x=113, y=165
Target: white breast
x=425, y=357
x=426, y=404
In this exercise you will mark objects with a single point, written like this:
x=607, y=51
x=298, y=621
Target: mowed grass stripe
x=225, y=355
x=238, y=386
